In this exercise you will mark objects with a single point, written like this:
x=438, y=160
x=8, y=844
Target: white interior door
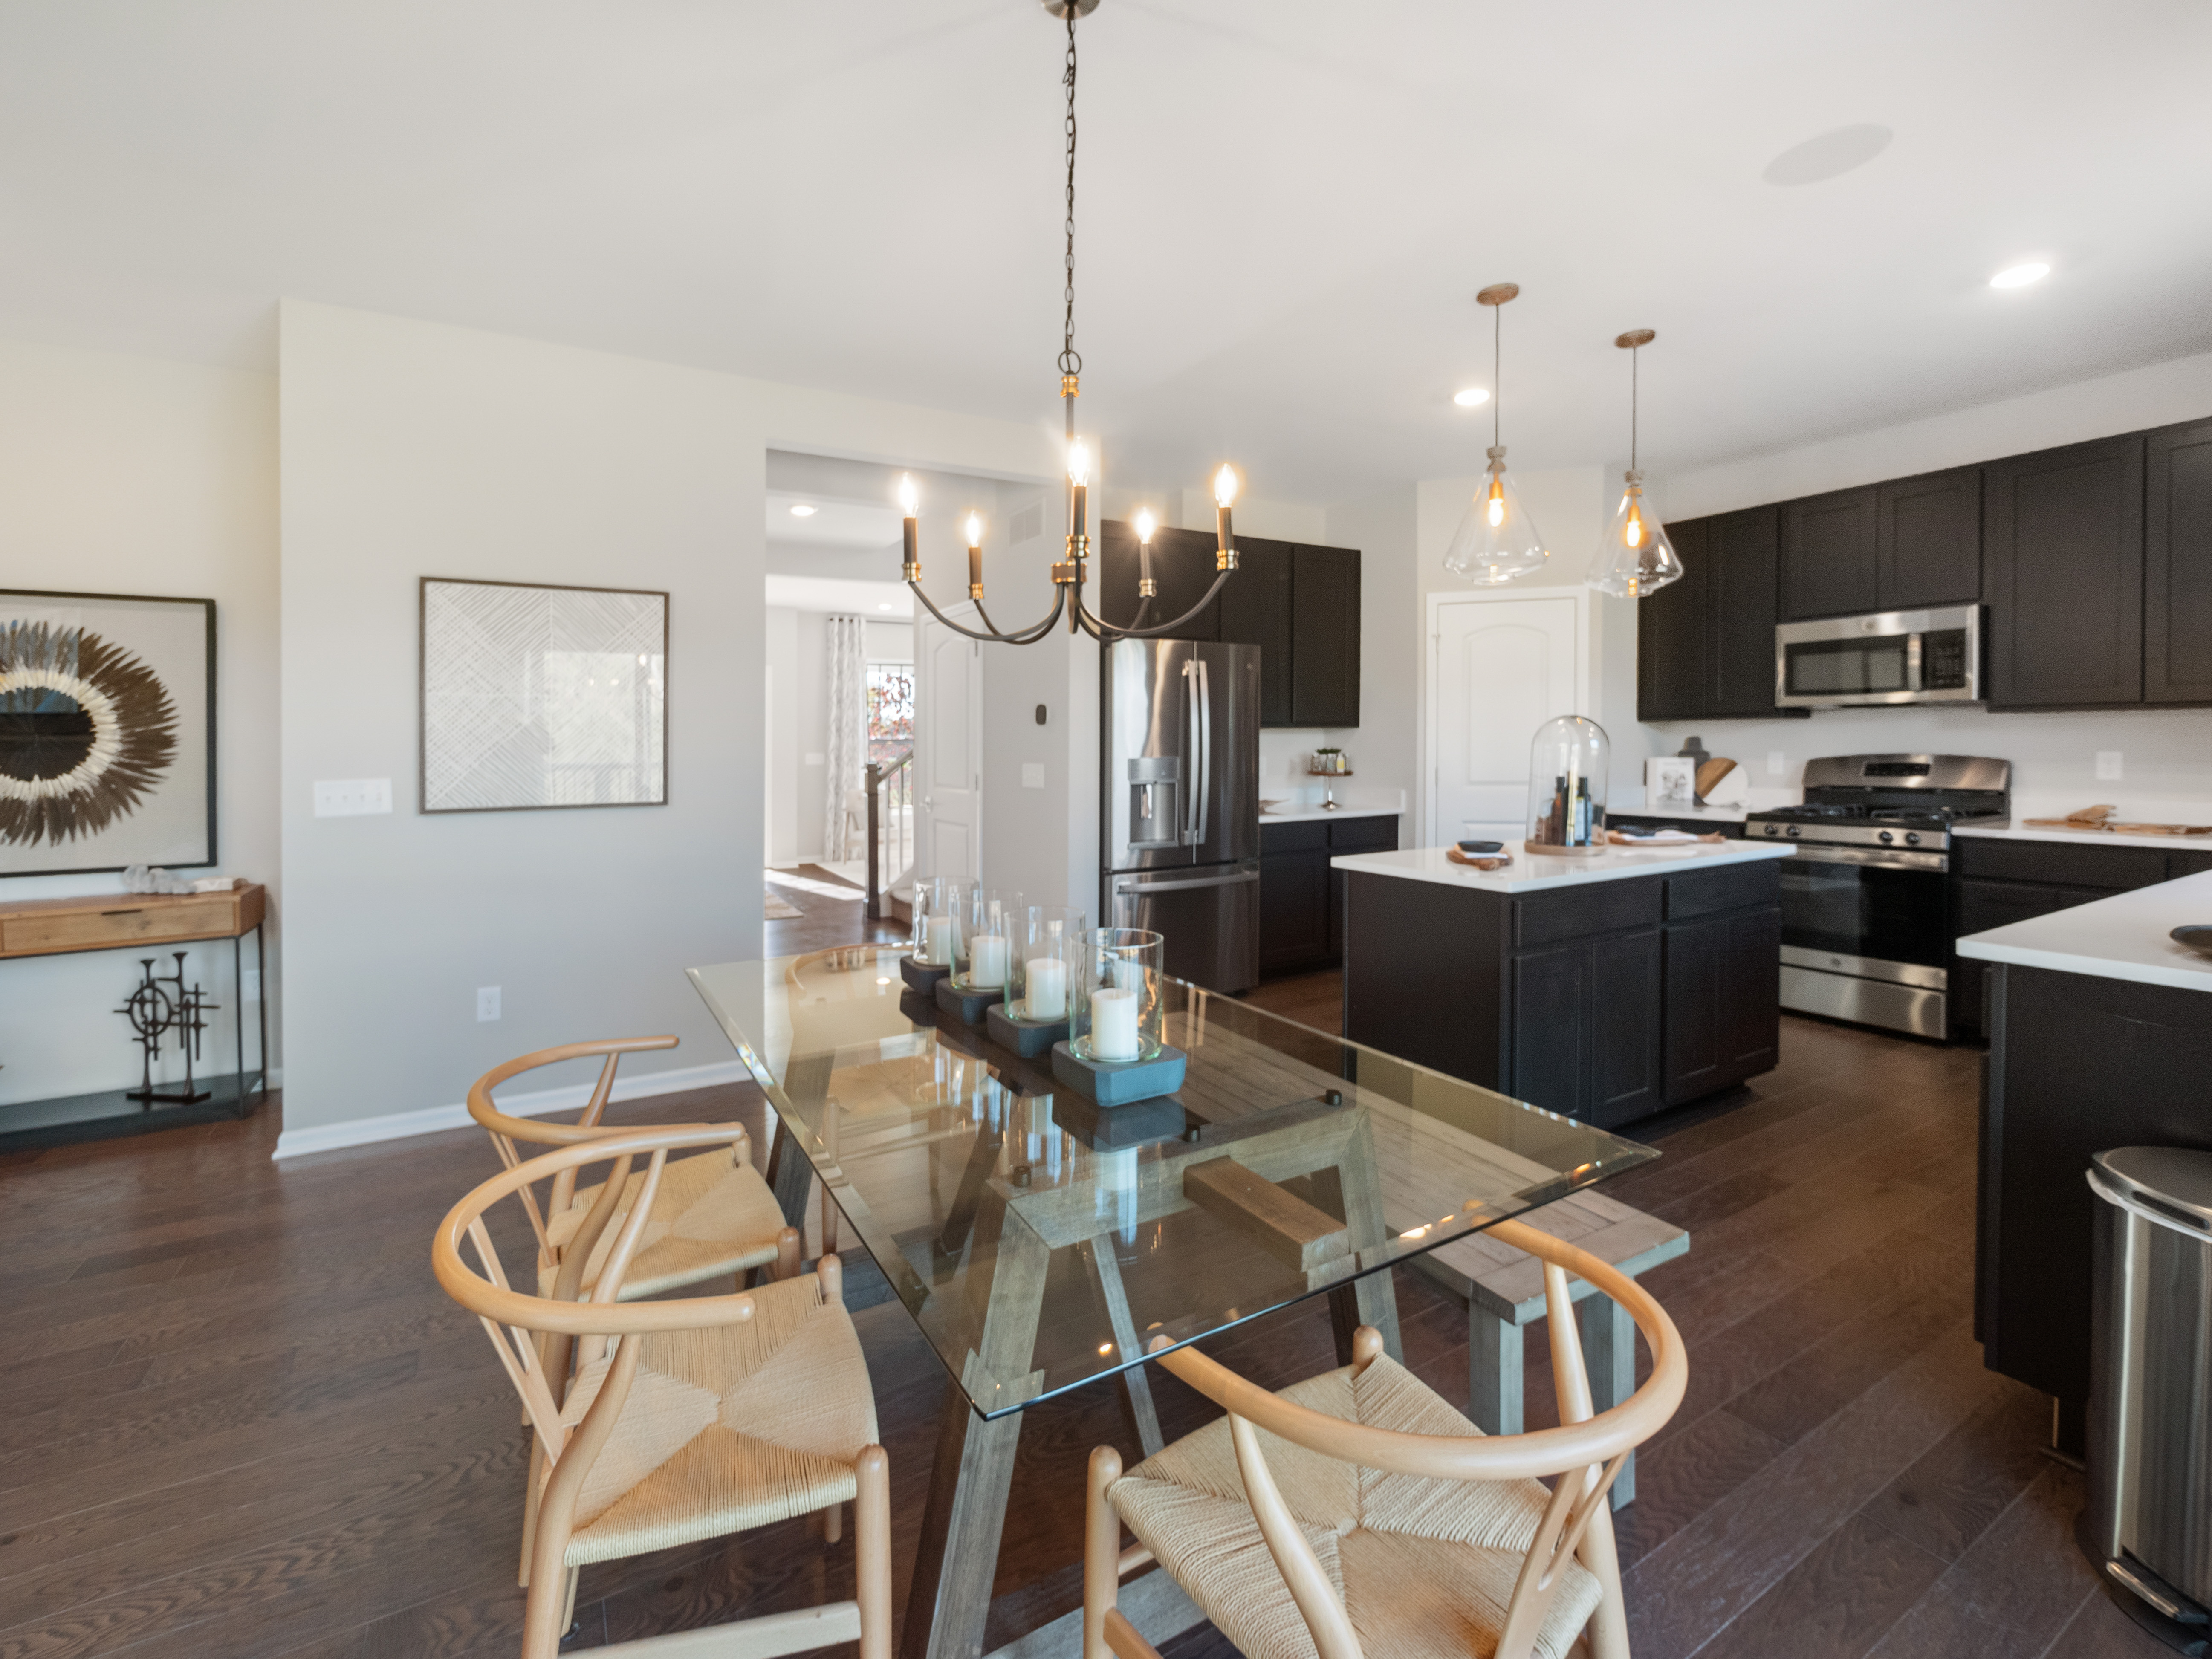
x=948, y=750
x=1501, y=668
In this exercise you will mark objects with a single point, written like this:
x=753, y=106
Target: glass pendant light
x=1635, y=560
x=1495, y=541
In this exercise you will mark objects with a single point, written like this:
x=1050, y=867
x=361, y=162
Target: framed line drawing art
x=535, y=695
x=107, y=732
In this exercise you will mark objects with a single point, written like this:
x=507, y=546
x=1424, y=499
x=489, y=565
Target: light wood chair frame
x=1585, y=1453
x=506, y=1130
x=563, y=1455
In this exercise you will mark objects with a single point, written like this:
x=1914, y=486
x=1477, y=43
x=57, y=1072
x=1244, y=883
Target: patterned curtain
x=848, y=644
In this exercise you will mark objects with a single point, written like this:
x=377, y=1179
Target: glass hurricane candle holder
x=1047, y=962
x=940, y=929
x=1117, y=1014
x=1568, y=765
x=991, y=933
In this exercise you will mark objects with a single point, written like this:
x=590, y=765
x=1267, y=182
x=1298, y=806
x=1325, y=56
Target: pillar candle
x=986, y=960
x=1048, y=998
x=940, y=940
x=1113, y=1024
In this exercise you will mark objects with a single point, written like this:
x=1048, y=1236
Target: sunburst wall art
x=106, y=732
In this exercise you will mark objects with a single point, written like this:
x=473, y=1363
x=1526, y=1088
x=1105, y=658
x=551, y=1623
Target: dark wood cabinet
x=1301, y=897
x=2178, y=565
x=1928, y=540
x=1183, y=568
x=1724, y=982
x=1324, y=637
x=1256, y=609
x=1742, y=549
x=1673, y=630
x=2062, y=569
x=1586, y=1028
x=1829, y=562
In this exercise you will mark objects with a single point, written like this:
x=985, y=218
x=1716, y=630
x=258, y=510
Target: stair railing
x=890, y=827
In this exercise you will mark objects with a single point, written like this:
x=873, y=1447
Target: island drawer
x=1736, y=887
x=1307, y=837
x=1604, y=907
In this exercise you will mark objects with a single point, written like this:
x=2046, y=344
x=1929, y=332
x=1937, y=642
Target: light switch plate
x=2108, y=765
x=352, y=798
x=487, y=1002
x=1032, y=774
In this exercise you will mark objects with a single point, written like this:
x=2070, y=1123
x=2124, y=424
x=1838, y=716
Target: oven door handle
x=1879, y=857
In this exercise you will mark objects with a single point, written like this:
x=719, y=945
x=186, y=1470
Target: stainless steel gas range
x=1865, y=914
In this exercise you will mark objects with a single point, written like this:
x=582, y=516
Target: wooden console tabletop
x=108, y=922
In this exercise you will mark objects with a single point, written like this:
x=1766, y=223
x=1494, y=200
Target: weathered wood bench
x=1504, y=1288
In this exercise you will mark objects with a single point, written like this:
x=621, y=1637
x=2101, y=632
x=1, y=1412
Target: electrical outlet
x=2108, y=766
x=1032, y=774
x=1776, y=762
x=249, y=985
x=487, y=1003
x=352, y=798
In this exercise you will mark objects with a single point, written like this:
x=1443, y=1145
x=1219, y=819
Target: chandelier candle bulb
x=908, y=503
x=975, y=556
x=1224, y=493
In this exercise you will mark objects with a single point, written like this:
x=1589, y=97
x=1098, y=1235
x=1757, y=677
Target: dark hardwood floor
x=243, y=1420
x=824, y=921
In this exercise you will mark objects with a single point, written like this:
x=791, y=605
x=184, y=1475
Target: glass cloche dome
x=1568, y=766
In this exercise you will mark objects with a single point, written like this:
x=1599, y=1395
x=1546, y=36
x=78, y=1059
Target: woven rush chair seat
x=714, y=1215
x=727, y=1428
x=1423, y=1567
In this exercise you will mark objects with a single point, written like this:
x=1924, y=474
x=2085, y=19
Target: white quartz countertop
x=2015, y=830
x=1301, y=814
x=1535, y=872
x=2122, y=937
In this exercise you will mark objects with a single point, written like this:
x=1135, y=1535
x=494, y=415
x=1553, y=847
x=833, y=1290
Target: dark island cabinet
x=1301, y=897
x=1605, y=1002
x=2063, y=570
x=2178, y=565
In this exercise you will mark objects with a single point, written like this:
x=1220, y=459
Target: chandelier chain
x=1071, y=361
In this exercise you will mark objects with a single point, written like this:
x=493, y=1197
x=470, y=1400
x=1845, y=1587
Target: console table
x=147, y=921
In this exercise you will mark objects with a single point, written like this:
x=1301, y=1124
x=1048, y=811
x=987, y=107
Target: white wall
x=2168, y=765
x=410, y=449
x=787, y=745
x=128, y=475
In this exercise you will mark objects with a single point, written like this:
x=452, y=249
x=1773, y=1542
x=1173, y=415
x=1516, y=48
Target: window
x=891, y=711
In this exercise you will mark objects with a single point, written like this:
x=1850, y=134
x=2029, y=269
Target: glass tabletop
x=1041, y=1242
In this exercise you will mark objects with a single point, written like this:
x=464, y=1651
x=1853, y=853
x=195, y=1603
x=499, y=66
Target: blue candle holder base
x=968, y=1003
x=1027, y=1037
x=1119, y=1082
x=923, y=976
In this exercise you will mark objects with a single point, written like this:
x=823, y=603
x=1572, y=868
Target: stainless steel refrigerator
x=1179, y=803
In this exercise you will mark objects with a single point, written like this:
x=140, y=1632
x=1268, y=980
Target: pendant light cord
x=1071, y=361
x=1635, y=364
x=1497, y=368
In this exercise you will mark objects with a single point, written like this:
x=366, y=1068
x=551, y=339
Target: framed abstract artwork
x=107, y=732
x=535, y=695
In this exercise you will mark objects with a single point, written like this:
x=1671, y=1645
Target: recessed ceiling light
x=801, y=510
x=1471, y=396
x=2020, y=276
x=885, y=606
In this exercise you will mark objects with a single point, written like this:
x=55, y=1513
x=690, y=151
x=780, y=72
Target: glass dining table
x=1040, y=1243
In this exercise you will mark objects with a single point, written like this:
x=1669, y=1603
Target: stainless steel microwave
x=1893, y=656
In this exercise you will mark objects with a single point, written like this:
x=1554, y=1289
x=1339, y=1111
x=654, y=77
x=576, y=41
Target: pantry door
x=1498, y=668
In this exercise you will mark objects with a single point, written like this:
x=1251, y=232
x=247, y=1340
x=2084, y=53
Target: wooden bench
x=1504, y=1288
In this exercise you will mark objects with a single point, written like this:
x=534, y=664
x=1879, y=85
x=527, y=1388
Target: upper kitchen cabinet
x=1673, y=635
x=1324, y=637
x=2062, y=573
x=2178, y=565
x=1256, y=609
x=1704, y=645
x=1829, y=562
x=1183, y=568
x=1928, y=540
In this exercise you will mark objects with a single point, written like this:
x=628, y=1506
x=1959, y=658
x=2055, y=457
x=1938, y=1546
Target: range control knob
x=1793, y=828
x=1773, y=828
x=1911, y=839
x=1887, y=838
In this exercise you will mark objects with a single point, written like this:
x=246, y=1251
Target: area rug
x=777, y=910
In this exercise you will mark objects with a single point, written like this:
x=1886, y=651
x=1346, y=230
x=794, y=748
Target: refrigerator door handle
x=1196, y=793
x=1235, y=878
x=1205, y=747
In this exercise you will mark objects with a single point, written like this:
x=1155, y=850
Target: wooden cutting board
x=2111, y=827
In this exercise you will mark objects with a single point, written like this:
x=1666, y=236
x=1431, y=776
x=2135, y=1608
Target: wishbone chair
x=1358, y=1513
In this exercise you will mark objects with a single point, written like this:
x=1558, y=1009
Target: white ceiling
x=1286, y=204
x=884, y=601
x=842, y=526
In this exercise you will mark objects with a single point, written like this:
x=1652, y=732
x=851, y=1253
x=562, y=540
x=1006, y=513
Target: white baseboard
x=431, y=1120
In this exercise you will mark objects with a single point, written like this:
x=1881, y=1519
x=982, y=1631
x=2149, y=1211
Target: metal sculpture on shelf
x=154, y=1011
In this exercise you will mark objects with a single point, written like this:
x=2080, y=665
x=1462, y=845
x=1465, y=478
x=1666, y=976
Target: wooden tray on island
x=2094, y=819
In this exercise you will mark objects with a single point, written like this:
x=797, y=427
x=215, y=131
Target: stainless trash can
x=2150, y=1388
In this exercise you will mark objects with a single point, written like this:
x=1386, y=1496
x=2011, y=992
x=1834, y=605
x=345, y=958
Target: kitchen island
x=2101, y=1035
x=1603, y=987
